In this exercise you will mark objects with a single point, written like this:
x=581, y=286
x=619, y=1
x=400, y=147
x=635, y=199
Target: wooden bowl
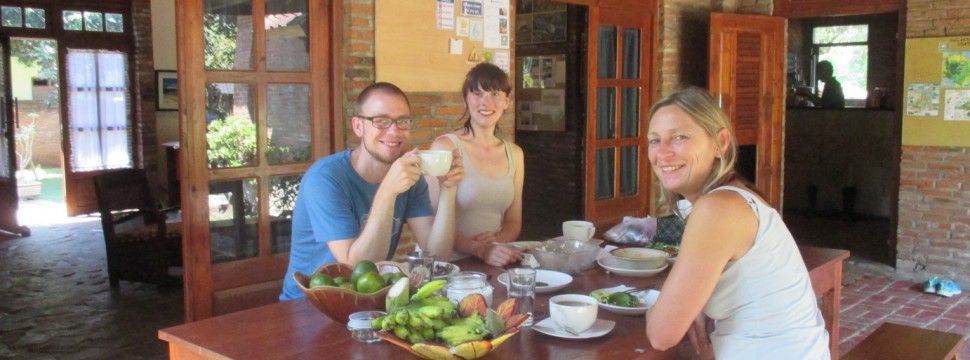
x=338, y=303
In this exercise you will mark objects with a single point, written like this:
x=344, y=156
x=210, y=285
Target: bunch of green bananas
x=422, y=318
x=462, y=330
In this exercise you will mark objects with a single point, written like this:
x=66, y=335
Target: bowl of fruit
x=432, y=327
x=339, y=290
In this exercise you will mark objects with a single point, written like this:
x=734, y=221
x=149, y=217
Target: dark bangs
x=487, y=76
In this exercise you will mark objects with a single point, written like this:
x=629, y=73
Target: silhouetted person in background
x=832, y=96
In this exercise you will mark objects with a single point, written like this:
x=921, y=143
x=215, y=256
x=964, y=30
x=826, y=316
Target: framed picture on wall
x=167, y=95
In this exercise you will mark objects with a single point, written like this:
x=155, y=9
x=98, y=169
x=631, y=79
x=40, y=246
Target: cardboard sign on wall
x=936, y=105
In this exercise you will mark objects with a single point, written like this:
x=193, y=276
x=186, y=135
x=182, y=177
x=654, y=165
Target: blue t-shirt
x=333, y=204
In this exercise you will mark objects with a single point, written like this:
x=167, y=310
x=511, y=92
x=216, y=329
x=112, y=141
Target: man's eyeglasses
x=381, y=122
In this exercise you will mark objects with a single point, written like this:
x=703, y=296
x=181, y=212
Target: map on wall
x=957, y=105
x=956, y=69
x=923, y=99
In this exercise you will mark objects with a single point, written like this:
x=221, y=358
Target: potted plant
x=28, y=185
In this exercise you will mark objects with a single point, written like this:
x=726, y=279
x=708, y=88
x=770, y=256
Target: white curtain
x=98, y=109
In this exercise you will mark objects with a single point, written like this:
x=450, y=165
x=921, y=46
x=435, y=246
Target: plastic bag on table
x=633, y=231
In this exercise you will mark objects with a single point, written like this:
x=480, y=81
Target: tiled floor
x=55, y=302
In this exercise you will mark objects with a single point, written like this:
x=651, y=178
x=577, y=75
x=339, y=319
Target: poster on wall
x=497, y=24
x=541, y=93
x=445, y=14
x=923, y=99
x=956, y=105
x=956, y=69
x=540, y=22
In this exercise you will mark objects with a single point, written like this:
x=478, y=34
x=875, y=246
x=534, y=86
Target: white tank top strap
x=747, y=195
x=508, y=154
x=455, y=140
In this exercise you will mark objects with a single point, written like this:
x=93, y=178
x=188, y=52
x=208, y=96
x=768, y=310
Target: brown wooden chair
x=140, y=245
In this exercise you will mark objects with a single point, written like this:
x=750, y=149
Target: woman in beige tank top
x=489, y=204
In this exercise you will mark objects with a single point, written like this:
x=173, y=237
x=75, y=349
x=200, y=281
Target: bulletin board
x=540, y=87
x=413, y=46
x=936, y=107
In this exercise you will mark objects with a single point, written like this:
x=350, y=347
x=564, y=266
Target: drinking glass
x=522, y=286
x=421, y=262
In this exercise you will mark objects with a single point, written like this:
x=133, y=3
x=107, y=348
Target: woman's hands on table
x=493, y=252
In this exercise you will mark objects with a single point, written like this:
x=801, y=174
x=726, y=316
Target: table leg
x=831, y=307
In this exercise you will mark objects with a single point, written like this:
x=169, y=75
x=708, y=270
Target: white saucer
x=612, y=265
x=454, y=269
x=554, y=280
x=548, y=326
x=647, y=299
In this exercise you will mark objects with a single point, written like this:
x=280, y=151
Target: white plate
x=454, y=268
x=647, y=299
x=554, y=280
x=548, y=326
x=610, y=264
x=525, y=245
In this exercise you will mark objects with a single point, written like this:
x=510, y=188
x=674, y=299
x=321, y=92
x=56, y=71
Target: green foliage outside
x=851, y=62
x=40, y=54
x=220, y=41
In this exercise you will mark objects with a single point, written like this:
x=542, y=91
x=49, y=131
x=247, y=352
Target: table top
x=295, y=329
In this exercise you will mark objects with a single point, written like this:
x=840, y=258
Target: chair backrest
x=124, y=190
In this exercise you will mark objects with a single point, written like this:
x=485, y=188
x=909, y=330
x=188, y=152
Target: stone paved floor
x=55, y=302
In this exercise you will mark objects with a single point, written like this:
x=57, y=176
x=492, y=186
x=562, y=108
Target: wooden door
x=620, y=91
x=747, y=65
x=8, y=160
x=255, y=109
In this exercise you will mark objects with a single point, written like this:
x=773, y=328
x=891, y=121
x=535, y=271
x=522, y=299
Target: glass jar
x=359, y=325
x=468, y=282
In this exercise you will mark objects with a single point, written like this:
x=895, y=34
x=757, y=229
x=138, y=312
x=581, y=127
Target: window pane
x=114, y=22
x=604, y=173
x=93, y=21
x=631, y=53
x=12, y=16
x=840, y=34
x=228, y=32
x=36, y=18
x=629, y=167
x=98, y=109
x=282, y=196
x=630, y=117
x=231, y=129
x=605, y=113
x=287, y=44
x=606, y=56
x=73, y=20
x=288, y=122
x=232, y=219
x=851, y=65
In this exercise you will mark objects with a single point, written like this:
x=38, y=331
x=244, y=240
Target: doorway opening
x=551, y=56
x=37, y=116
x=839, y=163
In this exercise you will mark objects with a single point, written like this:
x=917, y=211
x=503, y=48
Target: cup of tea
x=435, y=162
x=578, y=230
x=574, y=313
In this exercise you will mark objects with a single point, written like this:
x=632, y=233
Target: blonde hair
x=702, y=108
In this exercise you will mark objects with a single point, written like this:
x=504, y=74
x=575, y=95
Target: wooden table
x=295, y=329
x=825, y=269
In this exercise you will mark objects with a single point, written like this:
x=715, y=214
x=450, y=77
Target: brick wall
x=934, y=191
x=934, y=212
x=145, y=145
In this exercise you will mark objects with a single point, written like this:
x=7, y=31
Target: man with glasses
x=352, y=204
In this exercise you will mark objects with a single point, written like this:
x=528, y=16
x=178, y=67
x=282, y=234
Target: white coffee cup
x=578, y=230
x=573, y=311
x=435, y=162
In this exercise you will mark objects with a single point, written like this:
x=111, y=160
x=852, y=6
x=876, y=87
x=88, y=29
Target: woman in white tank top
x=489, y=202
x=737, y=263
